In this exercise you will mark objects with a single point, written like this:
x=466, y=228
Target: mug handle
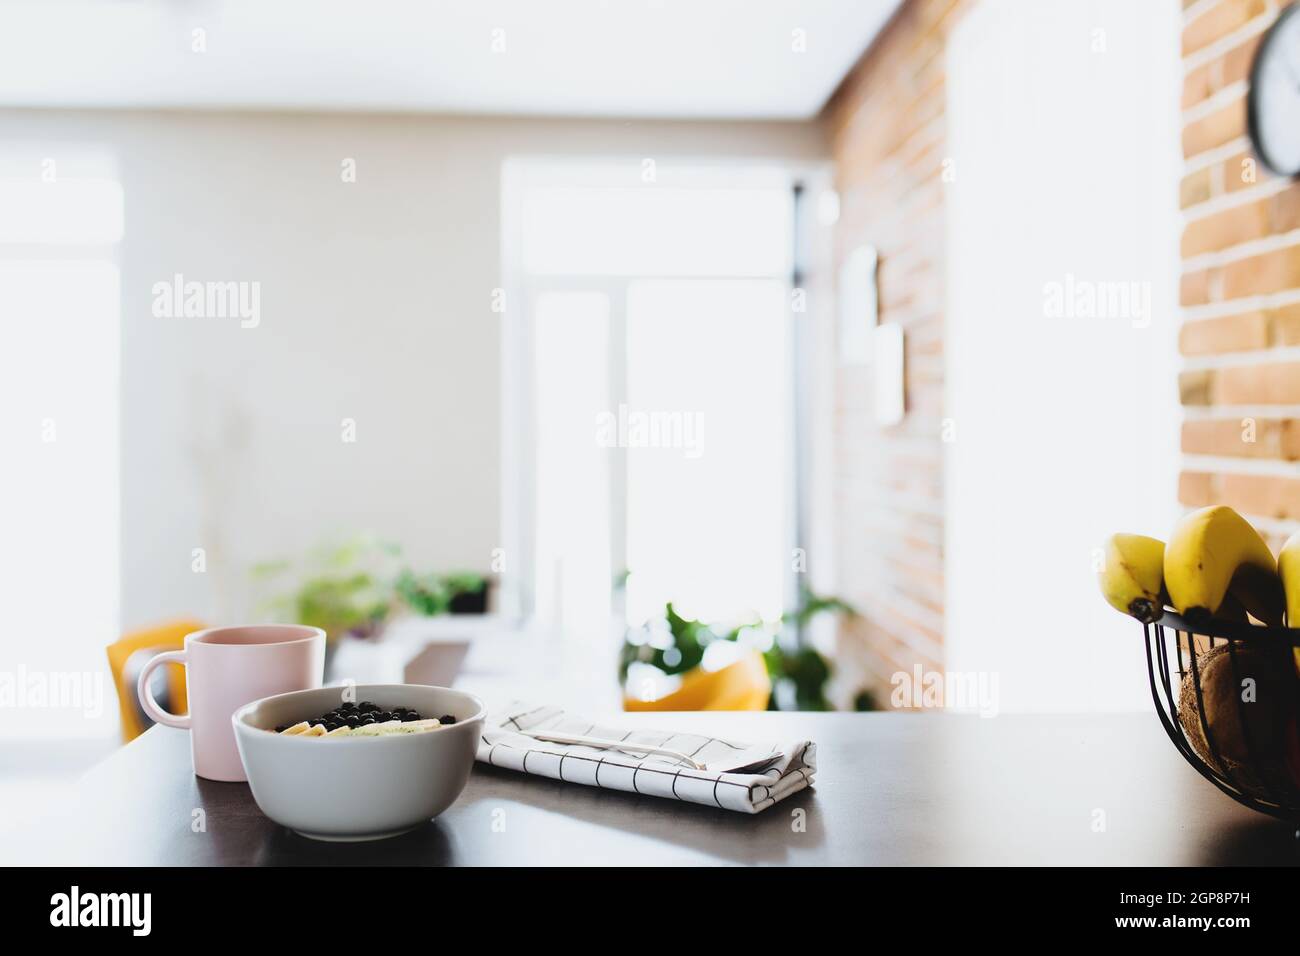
x=145, y=693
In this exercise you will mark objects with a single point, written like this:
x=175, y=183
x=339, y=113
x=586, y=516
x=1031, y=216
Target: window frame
x=518, y=428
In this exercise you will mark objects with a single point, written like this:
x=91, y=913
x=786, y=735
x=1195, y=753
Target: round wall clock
x=1273, y=104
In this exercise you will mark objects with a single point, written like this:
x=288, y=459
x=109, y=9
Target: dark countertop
x=891, y=789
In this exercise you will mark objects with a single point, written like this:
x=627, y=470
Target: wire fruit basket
x=1233, y=711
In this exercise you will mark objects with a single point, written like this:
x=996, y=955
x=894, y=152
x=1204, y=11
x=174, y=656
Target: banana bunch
x=1215, y=565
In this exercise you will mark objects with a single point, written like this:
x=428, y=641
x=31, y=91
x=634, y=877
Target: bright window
x=60, y=222
x=572, y=504
x=706, y=521
x=653, y=230
x=658, y=393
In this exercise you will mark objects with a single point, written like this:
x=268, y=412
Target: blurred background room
x=642, y=355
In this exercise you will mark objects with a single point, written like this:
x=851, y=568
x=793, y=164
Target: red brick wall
x=887, y=133
x=1240, y=288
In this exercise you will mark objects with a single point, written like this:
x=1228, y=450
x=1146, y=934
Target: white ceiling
x=634, y=58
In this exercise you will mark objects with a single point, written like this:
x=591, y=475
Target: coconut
x=1250, y=696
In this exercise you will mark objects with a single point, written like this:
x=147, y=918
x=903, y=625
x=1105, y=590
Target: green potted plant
x=343, y=589
x=462, y=592
x=353, y=589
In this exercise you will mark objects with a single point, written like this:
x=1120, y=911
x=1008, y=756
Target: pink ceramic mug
x=226, y=668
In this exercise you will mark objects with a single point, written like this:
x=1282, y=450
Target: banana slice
x=414, y=726
x=380, y=730
x=387, y=729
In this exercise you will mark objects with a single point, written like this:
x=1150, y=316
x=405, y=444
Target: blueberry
x=353, y=720
x=408, y=716
x=367, y=720
x=367, y=707
x=446, y=719
x=347, y=707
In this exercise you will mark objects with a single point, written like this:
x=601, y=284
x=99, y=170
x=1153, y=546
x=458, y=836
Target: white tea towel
x=776, y=772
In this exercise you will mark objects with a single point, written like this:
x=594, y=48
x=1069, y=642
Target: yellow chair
x=743, y=685
x=165, y=637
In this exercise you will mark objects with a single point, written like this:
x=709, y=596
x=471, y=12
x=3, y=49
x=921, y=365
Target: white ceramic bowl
x=357, y=788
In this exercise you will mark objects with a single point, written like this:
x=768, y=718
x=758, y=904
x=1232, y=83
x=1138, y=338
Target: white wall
x=1063, y=126
x=375, y=306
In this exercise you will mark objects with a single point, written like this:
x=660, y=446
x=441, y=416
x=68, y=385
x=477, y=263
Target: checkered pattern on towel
x=773, y=773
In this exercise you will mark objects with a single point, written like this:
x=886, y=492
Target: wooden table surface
x=891, y=789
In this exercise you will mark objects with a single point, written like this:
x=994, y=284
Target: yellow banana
x=1132, y=575
x=1215, y=549
x=1288, y=569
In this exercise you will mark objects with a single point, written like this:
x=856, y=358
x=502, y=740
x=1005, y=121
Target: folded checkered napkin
x=768, y=772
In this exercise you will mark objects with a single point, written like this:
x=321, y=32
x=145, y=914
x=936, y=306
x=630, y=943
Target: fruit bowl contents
x=366, y=719
x=358, y=789
x=1222, y=624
